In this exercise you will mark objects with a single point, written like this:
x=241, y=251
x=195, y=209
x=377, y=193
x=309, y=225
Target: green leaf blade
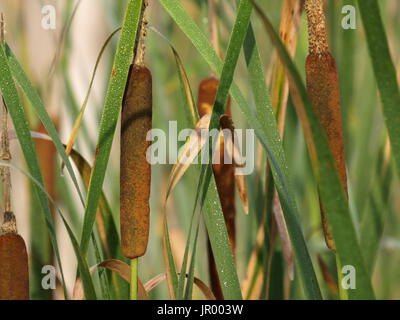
x=385, y=72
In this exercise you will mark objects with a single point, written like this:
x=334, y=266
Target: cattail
x=224, y=178
x=323, y=90
x=14, y=274
x=136, y=121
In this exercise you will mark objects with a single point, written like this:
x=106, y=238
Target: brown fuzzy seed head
x=317, y=35
x=324, y=93
x=136, y=121
x=206, y=97
x=14, y=274
x=323, y=90
x=47, y=155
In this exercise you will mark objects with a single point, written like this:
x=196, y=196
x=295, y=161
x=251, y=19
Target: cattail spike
x=14, y=273
x=136, y=121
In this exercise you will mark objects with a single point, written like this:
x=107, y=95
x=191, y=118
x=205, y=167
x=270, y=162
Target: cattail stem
x=140, y=46
x=5, y=143
x=134, y=279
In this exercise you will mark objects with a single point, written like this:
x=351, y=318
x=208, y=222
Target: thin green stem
x=134, y=279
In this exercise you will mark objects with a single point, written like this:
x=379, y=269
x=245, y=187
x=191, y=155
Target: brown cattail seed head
x=14, y=274
x=324, y=93
x=206, y=96
x=136, y=121
x=323, y=89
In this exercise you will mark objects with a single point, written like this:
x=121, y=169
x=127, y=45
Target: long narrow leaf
x=79, y=118
x=385, y=72
x=263, y=103
x=40, y=110
x=190, y=280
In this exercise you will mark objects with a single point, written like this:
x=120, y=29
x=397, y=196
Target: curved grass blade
x=41, y=112
x=175, y=284
x=106, y=224
x=263, y=104
x=154, y=282
x=266, y=131
x=171, y=274
x=83, y=268
x=190, y=280
x=190, y=150
x=332, y=193
x=119, y=267
x=373, y=220
x=17, y=114
x=385, y=72
x=68, y=19
x=109, y=118
x=124, y=270
x=182, y=277
x=78, y=121
x=192, y=114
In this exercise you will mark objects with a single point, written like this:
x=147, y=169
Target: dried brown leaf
x=117, y=266
x=284, y=235
x=328, y=277
x=154, y=282
x=188, y=153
